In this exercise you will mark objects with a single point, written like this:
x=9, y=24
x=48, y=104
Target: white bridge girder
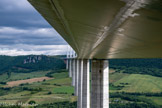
x=107, y=29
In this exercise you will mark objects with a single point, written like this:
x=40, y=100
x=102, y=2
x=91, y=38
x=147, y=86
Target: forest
x=138, y=66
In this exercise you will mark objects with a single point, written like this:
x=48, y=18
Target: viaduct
x=98, y=30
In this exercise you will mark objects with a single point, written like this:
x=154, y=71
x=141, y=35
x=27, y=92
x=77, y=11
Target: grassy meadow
x=136, y=82
x=21, y=76
x=59, y=88
x=48, y=91
x=135, y=87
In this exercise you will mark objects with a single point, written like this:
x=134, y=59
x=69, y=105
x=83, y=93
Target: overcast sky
x=23, y=31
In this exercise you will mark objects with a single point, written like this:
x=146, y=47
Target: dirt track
x=17, y=83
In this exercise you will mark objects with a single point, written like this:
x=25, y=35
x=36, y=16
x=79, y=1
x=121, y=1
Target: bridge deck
x=107, y=29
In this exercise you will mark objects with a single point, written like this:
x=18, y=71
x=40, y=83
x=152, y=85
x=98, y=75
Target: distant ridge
x=29, y=63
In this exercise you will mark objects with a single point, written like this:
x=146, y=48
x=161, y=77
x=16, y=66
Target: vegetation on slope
x=130, y=87
x=44, y=92
x=25, y=64
x=138, y=66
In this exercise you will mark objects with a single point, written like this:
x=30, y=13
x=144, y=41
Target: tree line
x=138, y=66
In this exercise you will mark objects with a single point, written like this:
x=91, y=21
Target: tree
x=49, y=92
x=9, y=74
x=32, y=102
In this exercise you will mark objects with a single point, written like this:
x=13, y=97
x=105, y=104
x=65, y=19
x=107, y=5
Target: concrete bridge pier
x=67, y=64
x=70, y=68
x=80, y=83
x=86, y=85
x=100, y=84
x=73, y=72
x=83, y=84
x=76, y=76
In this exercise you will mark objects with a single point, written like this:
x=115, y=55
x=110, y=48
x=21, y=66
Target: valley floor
x=125, y=90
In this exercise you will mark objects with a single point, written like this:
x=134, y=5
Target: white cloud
x=39, y=21
x=42, y=36
x=22, y=49
x=11, y=30
x=33, y=31
x=45, y=32
x=19, y=5
x=15, y=41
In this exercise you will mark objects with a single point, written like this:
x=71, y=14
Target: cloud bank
x=23, y=31
x=24, y=49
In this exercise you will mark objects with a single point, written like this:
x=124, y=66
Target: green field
x=55, y=90
x=21, y=76
x=137, y=82
x=157, y=100
x=59, y=89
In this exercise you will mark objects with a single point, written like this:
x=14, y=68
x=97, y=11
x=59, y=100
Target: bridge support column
x=86, y=86
x=76, y=76
x=100, y=84
x=73, y=72
x=70, y=68
x=83, y=85
x=80, y=84
x=67, y=64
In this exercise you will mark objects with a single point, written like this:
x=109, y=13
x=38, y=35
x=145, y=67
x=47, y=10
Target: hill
x=147, y=63
x=135, y=83
x=135, y=90
x=30, y=63
x=138, y=66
